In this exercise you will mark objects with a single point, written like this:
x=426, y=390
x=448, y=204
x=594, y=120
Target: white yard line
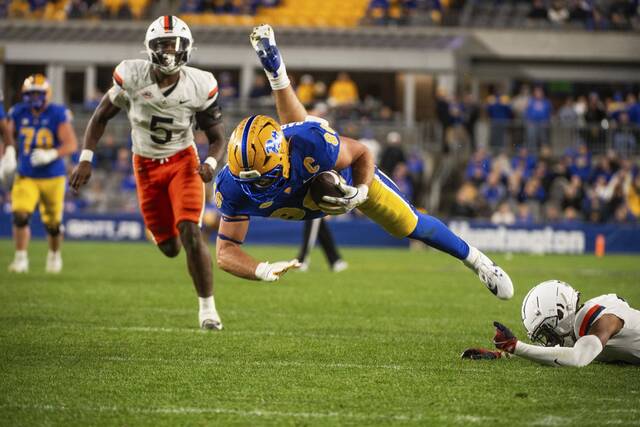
x=179, y=410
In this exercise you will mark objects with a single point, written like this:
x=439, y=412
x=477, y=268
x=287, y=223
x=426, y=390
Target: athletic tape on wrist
x=211, y=162
x=86, y=156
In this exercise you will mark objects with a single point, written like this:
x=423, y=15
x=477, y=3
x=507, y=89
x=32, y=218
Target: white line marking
x=215, y=410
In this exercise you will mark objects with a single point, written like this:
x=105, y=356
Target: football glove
x=353, y=197
x=504, y=338
x=264, y=43
x=270, y=272
x=482, y=354
x=8, y=163
x=41, y=156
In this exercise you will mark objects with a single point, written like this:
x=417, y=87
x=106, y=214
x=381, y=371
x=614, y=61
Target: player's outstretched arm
x=95, y=129
x=289, y=107
x=584, y=351
x=232, y=259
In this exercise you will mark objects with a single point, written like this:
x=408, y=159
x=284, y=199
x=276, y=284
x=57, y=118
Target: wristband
x=86, y=156
x=212, y=162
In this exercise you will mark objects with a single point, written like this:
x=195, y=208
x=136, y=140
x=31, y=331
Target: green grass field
x=113, y=341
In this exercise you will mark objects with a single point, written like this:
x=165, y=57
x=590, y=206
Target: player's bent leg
x=51, y=192
x=21, y=235
x=201, y=271
x=170, y=247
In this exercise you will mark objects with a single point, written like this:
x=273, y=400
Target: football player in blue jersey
x=269, y=172
x=44, y=135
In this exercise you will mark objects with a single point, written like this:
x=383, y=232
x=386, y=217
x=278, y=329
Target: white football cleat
x=210, y=321
x=340, y=265
x=54, y=263
x=493, y=277
x=19, y=266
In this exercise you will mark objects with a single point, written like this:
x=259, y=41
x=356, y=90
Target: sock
x=472, y=258
x=21, y=255
x=207, y=305
x=434, y=233
x=53, y=254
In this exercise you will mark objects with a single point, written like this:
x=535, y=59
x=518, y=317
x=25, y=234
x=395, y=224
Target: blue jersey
x=2, y=114
x=313, y=148
x=38, y=131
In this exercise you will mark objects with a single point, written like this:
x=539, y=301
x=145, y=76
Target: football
x=325, y=184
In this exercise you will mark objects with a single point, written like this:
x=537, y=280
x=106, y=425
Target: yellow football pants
x=27, y=192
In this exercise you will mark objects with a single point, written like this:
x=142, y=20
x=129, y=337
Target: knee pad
x=21, y=220
x=54, y=230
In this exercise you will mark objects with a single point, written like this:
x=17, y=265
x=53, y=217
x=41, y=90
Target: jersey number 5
x=153, y=126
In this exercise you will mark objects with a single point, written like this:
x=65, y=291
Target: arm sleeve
x=581, y=354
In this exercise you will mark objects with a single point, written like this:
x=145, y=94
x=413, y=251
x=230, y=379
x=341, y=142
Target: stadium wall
x=570, y=238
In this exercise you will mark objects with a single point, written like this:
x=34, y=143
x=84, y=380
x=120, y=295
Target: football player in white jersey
x=604, y=328
x=162, y=97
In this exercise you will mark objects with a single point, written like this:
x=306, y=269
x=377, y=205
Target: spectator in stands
x=392, y=153
x=226, y=87
x=558, y=13
x=191, y=6
x=581, y=163
x=524, y=216
x=594, y=117
x=377, y=12
x=633, y=109
x=621, y=11
x=493, y=191
x=567, y=114
x=503, y=215
x=500, y=114
x=573, y=194
x=521, y=101
x=581, y=109
x=538, y=11
x=624, y=141
x=107, y=152
x=343, y=91
x=306, y=90
x=471, y=113
x=524, y=162
x=456, y=135
x=77, y=9
x=538, y=115
x=466, y=203
x=478, y=167
x=632, y=192
x=552, y=213
x=260, y=90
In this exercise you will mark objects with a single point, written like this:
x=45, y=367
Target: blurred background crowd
x=593, y=15
x=506, y=150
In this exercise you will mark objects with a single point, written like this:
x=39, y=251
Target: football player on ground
x=44, y=137
x=269, y=173
x=604, y=328
x=162, y=96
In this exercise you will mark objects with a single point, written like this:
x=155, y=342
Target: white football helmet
x=549, y=312
x=168, y=43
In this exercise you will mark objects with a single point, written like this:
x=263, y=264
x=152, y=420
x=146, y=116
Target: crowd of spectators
x=230, y=7
x=74, y=9
x=590, y=14
x=534, y=187
x=530, y=116
x=411, y=12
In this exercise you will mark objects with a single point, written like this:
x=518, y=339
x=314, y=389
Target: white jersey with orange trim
x=161, y=119
x=625, y=345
